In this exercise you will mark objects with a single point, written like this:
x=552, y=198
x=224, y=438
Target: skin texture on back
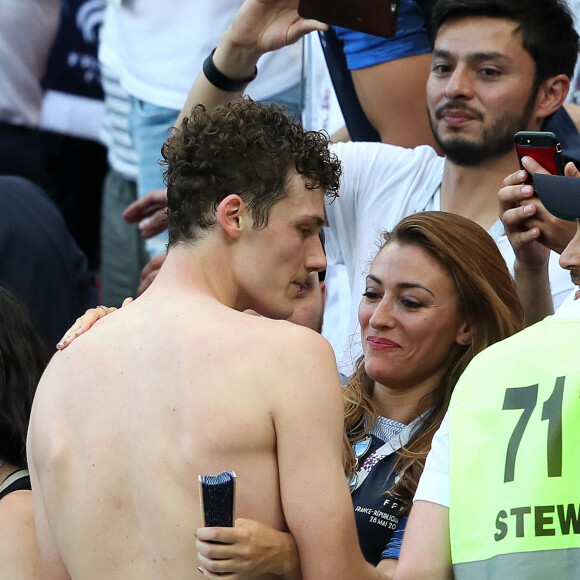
x=209, y=423
x=181, y=382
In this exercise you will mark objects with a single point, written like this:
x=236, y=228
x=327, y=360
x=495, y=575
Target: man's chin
x=471, y=149
x=467, y=153
x=458, y=149
x=463, y=153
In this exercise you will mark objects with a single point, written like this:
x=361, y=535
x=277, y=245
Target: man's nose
x=315, y=258
x=459, y=84
x=570, y=257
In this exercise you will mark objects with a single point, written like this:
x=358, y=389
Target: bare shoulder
x=300, y=369
x=298, y=337
x=298, y=347
x=17, y=537
x=16, y=507
x=18, y=548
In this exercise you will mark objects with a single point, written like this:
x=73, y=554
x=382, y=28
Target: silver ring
x=104, y=308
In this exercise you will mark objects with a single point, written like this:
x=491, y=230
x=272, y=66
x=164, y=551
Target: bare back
x=155, y=395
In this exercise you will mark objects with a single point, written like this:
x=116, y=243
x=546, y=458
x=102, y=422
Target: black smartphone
x=377, y=17
x=544, y=147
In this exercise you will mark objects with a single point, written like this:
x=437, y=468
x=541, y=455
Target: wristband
x=220, y=80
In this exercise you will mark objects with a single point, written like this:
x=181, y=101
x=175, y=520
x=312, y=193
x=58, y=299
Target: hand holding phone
x=543, y=147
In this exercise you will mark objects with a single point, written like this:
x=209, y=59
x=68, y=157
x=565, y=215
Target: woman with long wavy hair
x=438, y=293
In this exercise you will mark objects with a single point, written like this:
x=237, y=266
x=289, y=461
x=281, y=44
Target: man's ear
x=232, y=214
x=551, y=95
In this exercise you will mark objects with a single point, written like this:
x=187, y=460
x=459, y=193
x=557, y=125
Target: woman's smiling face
x=410, y=324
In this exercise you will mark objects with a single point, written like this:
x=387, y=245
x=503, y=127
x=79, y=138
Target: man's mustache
x=458, y=106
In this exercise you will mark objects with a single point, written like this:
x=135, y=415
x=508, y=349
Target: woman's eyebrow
x=402, y=285
x=414, y=285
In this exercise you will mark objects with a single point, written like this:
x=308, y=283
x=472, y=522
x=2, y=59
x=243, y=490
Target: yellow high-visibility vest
x=514, y=433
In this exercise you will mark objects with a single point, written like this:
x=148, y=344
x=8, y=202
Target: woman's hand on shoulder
x=84, y=322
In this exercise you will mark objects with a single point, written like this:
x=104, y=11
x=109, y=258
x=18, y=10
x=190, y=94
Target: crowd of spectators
x=180, y=157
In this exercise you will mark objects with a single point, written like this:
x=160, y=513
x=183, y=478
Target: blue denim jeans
x=149, y=126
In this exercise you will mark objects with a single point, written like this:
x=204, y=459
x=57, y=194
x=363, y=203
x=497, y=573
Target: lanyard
x=393, y=444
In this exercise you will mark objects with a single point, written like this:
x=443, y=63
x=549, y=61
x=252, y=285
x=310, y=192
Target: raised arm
x=554, y=233
x=532, y=232
x=531, y=265
x=260, y=26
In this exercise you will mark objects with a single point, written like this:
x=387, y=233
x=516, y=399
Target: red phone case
x=542, y=146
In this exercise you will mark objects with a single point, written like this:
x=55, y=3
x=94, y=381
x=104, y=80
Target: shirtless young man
x=181, y=382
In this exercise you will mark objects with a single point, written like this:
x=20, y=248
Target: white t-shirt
x=434, y=484
x=381, y=185
x=157, y=49
x=321, y=108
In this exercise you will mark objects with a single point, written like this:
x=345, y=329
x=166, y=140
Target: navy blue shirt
x=376, y=511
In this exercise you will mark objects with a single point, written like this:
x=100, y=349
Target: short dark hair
x=23, y=357
x=242, y=148
x=547, y=28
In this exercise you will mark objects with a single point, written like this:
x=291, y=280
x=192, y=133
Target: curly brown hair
x=486, y=296
x=242, y=148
